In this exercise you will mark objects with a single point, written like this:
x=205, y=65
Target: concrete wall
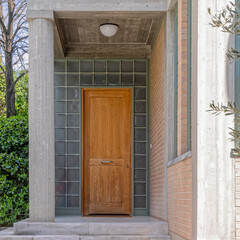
x=213, y=78
x=157, y=172
x=237, y=198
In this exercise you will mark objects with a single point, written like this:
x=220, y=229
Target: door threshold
x=108, y=215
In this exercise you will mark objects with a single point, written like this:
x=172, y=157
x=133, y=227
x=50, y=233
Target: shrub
x=13, y=169
x=230, y=109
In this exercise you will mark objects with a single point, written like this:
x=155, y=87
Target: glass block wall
x=69, y=77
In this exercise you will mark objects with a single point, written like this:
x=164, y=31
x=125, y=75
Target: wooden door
x=106, y=148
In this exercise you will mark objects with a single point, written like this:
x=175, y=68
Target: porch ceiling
x=80, y=36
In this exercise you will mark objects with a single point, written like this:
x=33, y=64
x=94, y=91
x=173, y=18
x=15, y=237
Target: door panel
x=107, y=140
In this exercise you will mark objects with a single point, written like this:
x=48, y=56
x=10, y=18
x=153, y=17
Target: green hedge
x=13, y=169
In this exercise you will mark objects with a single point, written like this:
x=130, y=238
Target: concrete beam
x=98, y=5
x=35, y=14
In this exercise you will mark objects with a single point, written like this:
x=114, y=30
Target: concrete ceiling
x=80, y=37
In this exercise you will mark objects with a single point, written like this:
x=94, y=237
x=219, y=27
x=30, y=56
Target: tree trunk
x=10, y=86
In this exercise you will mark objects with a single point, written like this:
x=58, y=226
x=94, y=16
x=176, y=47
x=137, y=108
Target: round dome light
x=108, y=29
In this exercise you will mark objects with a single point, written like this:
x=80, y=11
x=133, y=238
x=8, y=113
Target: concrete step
x=76, y=237
x=92, y=228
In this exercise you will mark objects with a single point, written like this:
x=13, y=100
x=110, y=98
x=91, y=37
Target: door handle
x=106, y=161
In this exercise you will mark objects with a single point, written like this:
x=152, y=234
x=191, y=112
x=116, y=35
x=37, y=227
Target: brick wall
x=180, y=199
x=179, y=179
x=180, y=175
x=157, y=208
x=182, y=76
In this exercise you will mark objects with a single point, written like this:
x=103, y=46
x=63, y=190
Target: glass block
x=73, y=161
x=140, y=148
x=86, y=79
x=60, y=134
x=140, y=80
x=60, y=161
x=73, y=80
x=73, y=148
x=73, y=134
x=60, y=174
x=72, y=66
x=140, y=121
x=100, y=79
x=100, y=66
x=60, y=120
x=140, y=202
x=72, y=93
x=140, y=107
x=140, y=66
x=60, y=147
x=59, y=66
x=113, y=66
x=127, y=66
x=60, y=201
x=113, y=80
x=73, y=188
x=59, y=93
x=140, y=161
x=127, y=79
x=73, y=120
x=73, y=202
x=60, y=188
x=59, y=79
x=73, y=107
x=140, y=134
x=60, y=107
x=140, y=175
x=139, y=189
x=72, y=174
x=140, y=93
x=86, y=66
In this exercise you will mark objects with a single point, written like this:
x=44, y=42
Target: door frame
x=81, y=89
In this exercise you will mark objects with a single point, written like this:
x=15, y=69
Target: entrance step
x=75, y=237
x=124, y=237
x=95, y=228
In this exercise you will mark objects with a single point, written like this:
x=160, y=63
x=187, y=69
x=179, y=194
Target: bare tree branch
x=20, y=76
x=2, y=25
x=20, y=10
x=3, y=70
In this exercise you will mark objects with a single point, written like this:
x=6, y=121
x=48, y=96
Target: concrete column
x=213, y=79
x=41, y=120
x=169, y=97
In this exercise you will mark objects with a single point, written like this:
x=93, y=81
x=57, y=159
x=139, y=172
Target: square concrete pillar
x=41, y=119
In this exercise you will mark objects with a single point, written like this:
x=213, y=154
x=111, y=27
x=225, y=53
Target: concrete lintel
x=97, y=5
x=42, y=14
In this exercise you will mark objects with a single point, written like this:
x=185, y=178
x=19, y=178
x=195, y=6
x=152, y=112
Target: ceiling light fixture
x=108, y=29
